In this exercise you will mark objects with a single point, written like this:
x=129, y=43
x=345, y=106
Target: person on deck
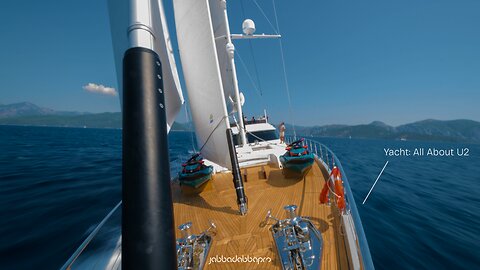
x=282, y=129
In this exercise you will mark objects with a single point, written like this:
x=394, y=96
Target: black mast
x=237, y=176
x=148, y=236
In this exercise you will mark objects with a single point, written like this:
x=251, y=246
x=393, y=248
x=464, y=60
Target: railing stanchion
x=327, y=159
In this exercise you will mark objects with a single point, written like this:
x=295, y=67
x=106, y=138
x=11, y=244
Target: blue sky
x=348, y=62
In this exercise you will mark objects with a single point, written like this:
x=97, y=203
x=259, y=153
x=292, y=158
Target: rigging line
x=243, y=9
x=252, y=53
x=248, y=74
x=253, y=134
x=211, y=133
x=264, y=15
x=284, y=72
x=268, y=143
x=187, y=116
x=255, y=65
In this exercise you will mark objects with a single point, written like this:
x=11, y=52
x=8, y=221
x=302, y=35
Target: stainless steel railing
x=329, y=159
x=102, y=248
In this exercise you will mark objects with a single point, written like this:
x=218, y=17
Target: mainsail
x=124, y=14
x=202, y=77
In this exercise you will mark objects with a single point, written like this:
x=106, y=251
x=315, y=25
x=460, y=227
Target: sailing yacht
x=251, y=213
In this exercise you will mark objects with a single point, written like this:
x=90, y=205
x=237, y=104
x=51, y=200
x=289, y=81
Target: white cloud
x=100, y=89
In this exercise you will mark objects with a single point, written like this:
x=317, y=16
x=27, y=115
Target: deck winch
x=192, y=250
x=298, y=242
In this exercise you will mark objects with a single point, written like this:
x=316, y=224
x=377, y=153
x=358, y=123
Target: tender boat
x=195, y=172
x=297, y=160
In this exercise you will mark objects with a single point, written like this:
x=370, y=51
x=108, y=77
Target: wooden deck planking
x=242, y=235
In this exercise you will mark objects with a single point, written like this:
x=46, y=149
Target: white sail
x=221, y=31
x=123, y=13
x=202, y=77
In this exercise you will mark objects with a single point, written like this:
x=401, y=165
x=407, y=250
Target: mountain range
x=29, y=114
x=461, y=130
x=30, y=109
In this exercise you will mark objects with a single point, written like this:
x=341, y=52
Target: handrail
x=87, y=241
x=325, y=155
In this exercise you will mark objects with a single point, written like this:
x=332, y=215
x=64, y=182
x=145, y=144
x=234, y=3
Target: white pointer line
x=378, y=177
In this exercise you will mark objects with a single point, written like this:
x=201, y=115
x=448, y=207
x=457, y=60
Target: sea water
x=56, y=184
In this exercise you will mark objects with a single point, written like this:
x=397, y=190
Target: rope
x=243, y=9
x=258, y=137
x=187, y=117
x=252, y=54
x=263, y=13
x=333, y=192
x=259, y=88
x=269, y=143
x=259, y=92
x=210, y=135
x=255, y=65
x=285, y=72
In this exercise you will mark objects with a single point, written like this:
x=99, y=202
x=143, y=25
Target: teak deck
x=243, y=235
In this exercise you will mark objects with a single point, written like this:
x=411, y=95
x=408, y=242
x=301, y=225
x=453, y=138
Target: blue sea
x=56, y=184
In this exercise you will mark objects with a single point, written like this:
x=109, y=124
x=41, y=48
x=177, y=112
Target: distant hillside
x=431, y=130
x=22, y=109
x=459, y=130
x=28, y=114
x=97, y=120
x=29, y=109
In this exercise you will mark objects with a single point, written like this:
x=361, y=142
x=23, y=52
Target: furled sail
x=123, y=13
x=202, y=77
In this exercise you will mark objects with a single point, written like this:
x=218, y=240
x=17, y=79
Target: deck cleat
x=192, y=250
x=298, y=242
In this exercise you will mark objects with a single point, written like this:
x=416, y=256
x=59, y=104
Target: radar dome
x=248, y=27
